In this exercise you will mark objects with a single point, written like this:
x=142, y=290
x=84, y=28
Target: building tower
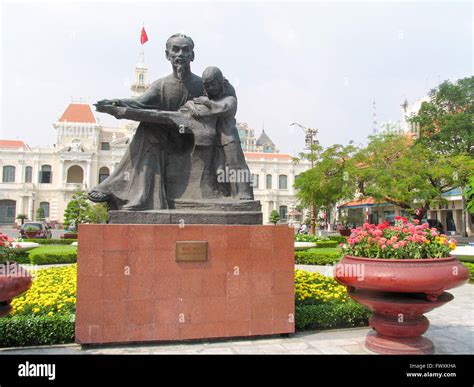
x=140, y=84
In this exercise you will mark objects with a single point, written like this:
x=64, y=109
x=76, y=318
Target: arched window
x=75, y=174
x=8, y=174
x=46, y=174
x=283, y=212
x=269, y=182
x=254, y=180
x=282, y=182
x=28, y=174
x=104, y=173
x=45, y=207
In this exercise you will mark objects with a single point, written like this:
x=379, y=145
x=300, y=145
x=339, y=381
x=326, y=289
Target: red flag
x=143, y=36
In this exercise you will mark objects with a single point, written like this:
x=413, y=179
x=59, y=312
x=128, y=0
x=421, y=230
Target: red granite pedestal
x=131, y=289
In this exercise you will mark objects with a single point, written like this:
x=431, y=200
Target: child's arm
x=224, y=107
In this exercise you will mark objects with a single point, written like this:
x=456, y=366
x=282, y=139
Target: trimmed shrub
x=338, y=238
x=48, y=255
x=51, y=241
x=470, y=267
x=324, y=316
x=21, y=257
x=324, y=244
x=309, y=238
x=19, y=331
x=317, y=256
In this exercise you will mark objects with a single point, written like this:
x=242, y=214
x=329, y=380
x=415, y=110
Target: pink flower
x=383, y=247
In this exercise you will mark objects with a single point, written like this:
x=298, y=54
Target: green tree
x=40, y=213
x=469, y=192
x=274, y=217
x=328, y=181
x=98, y=213
x=446, y=122
x=22, y=217
x=410, y=175
x=77, y=210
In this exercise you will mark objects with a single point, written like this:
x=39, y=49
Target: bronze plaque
x=191, y=251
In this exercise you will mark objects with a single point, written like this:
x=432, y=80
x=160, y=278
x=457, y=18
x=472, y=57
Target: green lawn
x=324, y=250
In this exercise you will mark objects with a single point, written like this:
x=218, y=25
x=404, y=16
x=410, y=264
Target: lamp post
x=310, y=141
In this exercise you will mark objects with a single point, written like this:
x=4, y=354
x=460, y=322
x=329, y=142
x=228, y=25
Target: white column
x=20, y=178
x=20, y=205
x=30, y=208
x=61, y=174
x=88, y=175
x=35, y=172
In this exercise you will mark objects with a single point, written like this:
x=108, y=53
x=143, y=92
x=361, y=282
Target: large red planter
x=400, y=292
x=14, y=280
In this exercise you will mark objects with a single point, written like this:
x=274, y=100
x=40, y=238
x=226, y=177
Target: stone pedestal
x=131, y=288
x=203, y=211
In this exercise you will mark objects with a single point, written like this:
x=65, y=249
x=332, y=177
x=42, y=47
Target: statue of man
x=157, y=153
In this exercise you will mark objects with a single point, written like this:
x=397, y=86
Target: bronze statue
x=186, y=146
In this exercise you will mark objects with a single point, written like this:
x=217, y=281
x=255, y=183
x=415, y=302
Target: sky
x=316, y=63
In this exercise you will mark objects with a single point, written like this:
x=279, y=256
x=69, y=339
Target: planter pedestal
x=399, y=292
x=398, y=321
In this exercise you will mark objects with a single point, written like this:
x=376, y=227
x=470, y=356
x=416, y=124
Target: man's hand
x=203, y=100
x=116, y=111
x=192, y=109
x=102, y=105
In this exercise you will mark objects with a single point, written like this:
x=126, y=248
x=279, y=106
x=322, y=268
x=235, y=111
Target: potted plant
x=14, y=280
x=343, y=226
x=400, y=273
x=274, y=217
x=22, y=217
x=31, y=232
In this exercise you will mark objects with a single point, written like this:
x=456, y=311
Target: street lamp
x=310, y=141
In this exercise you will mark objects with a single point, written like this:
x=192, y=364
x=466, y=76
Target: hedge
x=338, y=238
x=470, y=267
x=51, y=241
x=324, y=244
x=324, y=316
x=317, y=256
x=47, y=255
x=20, y=331
x=309, y=238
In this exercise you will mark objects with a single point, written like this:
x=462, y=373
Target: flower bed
x=53, y=292
x=45, y=314
x=323, y=303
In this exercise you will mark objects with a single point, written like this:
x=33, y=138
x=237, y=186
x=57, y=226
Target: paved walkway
x=451, y=330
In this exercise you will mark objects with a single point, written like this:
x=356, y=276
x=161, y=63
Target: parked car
x=43, y=230
x=435, y=223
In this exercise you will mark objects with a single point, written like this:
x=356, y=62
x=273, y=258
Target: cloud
x=279, y=30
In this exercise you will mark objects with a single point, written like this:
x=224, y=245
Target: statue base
x=187, y=211
x=136, y=283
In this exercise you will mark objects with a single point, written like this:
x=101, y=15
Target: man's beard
x=181, y=70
